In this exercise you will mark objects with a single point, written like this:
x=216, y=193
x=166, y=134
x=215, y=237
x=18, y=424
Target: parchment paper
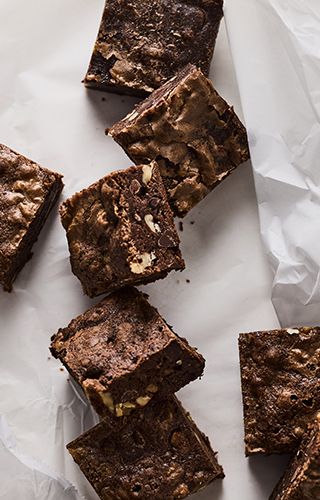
x=46, y=114
x=275, y=48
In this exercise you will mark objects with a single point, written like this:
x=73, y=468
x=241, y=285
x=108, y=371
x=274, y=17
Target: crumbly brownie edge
x=31, y=236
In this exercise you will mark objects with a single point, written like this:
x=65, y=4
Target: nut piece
x=291, y=331
x=143, y=400
x=124, y=408
x=147, y=173
x=144, y=261
x=155, y=228
x=152, y=388
x=181, y=491
x=107, y=400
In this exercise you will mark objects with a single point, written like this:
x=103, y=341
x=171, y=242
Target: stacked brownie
x=280, y=375
x=129, y=363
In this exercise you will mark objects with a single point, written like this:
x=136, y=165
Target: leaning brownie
x=123, y=354
x=193, y=134
x=27, y=194
x=280, y=374
x=121, y=231
x=301, y=480
x=143, y=43
x=157, y=454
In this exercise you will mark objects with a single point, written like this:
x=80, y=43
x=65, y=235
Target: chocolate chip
x=154, y=202
x=166, y=241
x=135, y=186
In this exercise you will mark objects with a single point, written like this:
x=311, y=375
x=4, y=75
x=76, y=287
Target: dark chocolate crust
x=121, y=231
x=280, y=375
x=124, y=355
x=156, y=454
x=143, y=43
x=193, y=134
x=27, y=194
x=301, y=480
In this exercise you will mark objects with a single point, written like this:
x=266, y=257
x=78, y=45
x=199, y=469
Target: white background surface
x=46, y=114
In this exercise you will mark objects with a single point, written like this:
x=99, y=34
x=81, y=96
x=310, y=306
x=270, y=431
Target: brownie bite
x=143, y=43
x=121, y=231
x=193, y=134
x=157, y=454
x=27, y=194
x=123, y=354
x=301, y=480
x=280, y=375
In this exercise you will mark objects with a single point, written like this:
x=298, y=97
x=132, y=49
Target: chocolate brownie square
x=123, y=354
x=301, y=480
x=121, y=231
x=143, y=43
x=280, y=375
x=193, y=134
x=27, y=194
x=157, y=454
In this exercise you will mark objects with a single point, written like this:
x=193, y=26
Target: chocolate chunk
x=280, y=374
x=193, y=134
x=154, y=202
x=27, y=194
x=113, y=238
x=135, y=186
x=166, y=240
x=155, y=454
x=143, y=43
x=124, y=355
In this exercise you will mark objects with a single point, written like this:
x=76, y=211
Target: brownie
x=123, y=354
x=301, y=480
x=157, y=454
x=27, y=194
x=193, y=134
x=121, y=231
x=280, y=374
x=143, y=43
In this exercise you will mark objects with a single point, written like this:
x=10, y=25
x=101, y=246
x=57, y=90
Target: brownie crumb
x=192, y=222
x=187, y=281
x=181, y=226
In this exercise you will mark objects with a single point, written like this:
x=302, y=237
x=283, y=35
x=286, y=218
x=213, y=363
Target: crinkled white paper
x=276, y=51
x=23, y=477
x=46, y=114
